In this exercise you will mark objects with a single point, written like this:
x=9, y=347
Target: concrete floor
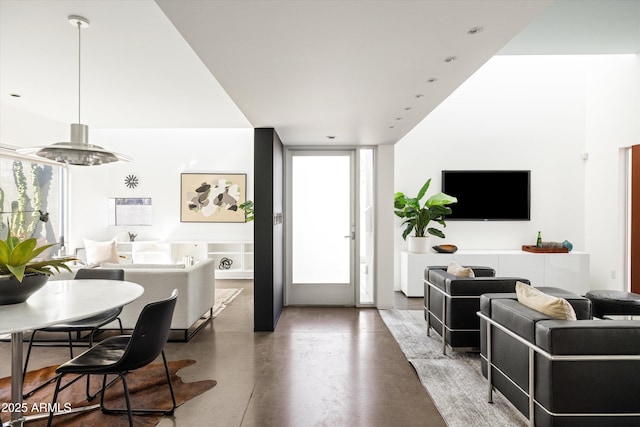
x=321, y=367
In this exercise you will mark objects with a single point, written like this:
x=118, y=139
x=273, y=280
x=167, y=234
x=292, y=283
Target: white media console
x=568, y=271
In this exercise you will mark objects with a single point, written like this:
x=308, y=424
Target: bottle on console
x=539, y=240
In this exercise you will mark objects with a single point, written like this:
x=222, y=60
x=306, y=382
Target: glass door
x=321, y=231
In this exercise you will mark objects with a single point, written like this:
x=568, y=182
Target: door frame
x=354, y=241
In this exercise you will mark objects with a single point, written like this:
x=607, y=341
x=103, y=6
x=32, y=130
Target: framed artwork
x=212, y=197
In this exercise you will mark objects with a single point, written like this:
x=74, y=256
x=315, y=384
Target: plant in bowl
x=21, y=272
x=417, y=215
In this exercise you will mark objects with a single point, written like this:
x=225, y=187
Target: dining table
x=57, y=302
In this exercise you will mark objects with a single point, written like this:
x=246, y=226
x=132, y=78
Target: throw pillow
x=460, y=271
x=99, y=252
x=558, y=308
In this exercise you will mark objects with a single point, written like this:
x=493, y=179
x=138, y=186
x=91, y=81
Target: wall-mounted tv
x=489, y=195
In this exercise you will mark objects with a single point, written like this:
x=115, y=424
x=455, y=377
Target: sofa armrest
x=482, y=285
x=589, y=337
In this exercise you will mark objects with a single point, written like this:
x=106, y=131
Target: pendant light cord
x=79, y=74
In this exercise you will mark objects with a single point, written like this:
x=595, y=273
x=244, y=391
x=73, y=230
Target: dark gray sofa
x=451, y=303
x=586, y=372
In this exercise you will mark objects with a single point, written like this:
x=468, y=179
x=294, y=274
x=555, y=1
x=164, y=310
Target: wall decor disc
x=131, y=181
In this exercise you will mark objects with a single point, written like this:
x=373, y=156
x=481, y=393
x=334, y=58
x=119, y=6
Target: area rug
x=454, y=381
x=147, y=388
x=223, y=298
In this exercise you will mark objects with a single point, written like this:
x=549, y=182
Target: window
x=31, y=200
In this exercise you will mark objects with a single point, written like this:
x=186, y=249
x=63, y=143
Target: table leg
x=17, y=417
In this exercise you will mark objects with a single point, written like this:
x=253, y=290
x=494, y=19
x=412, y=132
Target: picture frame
x=212, y=197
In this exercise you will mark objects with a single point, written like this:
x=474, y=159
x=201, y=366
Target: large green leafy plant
x=417, y=217
x=18, y=258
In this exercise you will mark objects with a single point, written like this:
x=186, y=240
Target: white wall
x=540, y=113
x=160, y=156
x=25, y=129
x=612, y=125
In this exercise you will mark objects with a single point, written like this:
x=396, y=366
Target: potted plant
x=247, y=207
x=417, y=217
x=21, y=274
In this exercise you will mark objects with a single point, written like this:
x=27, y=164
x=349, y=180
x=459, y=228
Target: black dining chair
x=91, y=325
x=125, y=353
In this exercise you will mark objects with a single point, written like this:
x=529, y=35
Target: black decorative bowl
x=14, y=292
x=445, y=249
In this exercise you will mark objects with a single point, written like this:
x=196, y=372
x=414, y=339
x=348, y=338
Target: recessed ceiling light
x=407, y=108
x=419, y=95
x=398, y=118
x=450, y=59
x=474, y=30
x=331, y=137
x=432, y=80
x=15, y=95
x=391, y=127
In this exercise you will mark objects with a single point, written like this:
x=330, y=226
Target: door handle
x=352, y=236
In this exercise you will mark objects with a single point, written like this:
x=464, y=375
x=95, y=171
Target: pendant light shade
x=77, y=151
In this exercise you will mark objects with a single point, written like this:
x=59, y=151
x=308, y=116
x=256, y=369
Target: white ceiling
x=309, y=68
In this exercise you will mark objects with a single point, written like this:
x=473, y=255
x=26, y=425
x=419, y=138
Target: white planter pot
x=419, y=245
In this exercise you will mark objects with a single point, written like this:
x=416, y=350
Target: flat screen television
x=489, y=195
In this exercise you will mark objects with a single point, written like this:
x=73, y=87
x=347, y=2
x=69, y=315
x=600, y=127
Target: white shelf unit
x=569, y=271
x=240, y=254
x=144, y=252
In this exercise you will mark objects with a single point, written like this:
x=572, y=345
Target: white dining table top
x=66, y=300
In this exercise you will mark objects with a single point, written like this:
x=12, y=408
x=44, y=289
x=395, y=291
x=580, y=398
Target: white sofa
x=195, y=284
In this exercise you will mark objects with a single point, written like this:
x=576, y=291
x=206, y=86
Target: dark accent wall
x=268, y=229
x=634, y=262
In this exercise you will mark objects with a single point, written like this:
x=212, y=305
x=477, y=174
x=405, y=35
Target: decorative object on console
x=567, y=244
x=132, y=237
x=78, y=151
x=225, y=264
x=545, y=250
x=20, y=274
x=212, y=197
x=131, y=181
x=445, y=249
x=417, y=218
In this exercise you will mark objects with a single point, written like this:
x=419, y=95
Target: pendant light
x=78, y=151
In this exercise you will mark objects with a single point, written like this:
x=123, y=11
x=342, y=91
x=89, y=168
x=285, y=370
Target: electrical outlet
x=613, y=274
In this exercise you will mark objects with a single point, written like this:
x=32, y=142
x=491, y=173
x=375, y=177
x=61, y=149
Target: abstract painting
x=208, y=197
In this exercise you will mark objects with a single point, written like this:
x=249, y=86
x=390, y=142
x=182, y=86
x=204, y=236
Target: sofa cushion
x=99, y=252
x=557, y=308
x=460, y=271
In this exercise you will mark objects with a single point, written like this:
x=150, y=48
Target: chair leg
x=106, y=410
x=145, y=411
x=53, y=402
x=26, y=365
x=26, y=361
x=173, y=396
x=70, y=345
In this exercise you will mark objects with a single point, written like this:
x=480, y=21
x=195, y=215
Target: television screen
x=483, y=195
